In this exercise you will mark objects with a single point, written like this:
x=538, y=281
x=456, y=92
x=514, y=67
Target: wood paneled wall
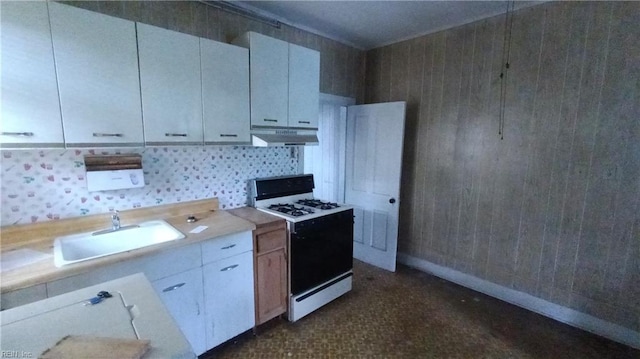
x=341, y=66
x=551, y=209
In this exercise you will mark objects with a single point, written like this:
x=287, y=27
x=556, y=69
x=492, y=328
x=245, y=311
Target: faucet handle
x=115, y=214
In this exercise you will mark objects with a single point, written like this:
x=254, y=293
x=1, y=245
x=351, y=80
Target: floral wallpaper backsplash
x=42, y=185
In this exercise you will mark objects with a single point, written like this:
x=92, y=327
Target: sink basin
x=84, y=246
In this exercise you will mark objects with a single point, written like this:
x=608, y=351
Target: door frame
x=343, y=103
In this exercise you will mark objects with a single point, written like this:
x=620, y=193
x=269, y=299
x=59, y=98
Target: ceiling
x=370, y=24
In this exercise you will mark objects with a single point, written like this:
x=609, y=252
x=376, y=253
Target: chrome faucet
x=115, y=220
x=115, y=225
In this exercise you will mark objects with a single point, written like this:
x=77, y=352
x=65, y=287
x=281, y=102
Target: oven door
x=321, y=249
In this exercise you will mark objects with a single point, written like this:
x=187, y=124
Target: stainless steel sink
x=85, y=246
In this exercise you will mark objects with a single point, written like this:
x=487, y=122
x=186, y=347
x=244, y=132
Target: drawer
x=227, y=246
x=271, y=240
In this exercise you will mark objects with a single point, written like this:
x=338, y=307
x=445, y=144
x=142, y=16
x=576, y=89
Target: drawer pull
x=228, y=135
x=229, y=246
x=24, y=134
x=307, y=122
x=270, y=120
x=98, y=134
x=175, y=134
x=228, y=268
x=173, y=287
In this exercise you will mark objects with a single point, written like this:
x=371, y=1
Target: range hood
x=283, y=137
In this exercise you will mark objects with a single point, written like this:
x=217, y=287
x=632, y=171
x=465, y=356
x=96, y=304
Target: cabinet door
x=225, y=92
x=229, y=298
x=269, y=60
x=30, y=107
x=97, y=64
x=304, y=87
x=183, y=296
x=271, y=277
x=170, y=86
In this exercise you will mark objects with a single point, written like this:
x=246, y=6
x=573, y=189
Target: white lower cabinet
x=183, y=296
x=229, y=297
x=211, y=304
x=154, y=267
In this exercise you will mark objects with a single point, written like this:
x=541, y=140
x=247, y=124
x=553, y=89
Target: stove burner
x=290, y=209
x=316, y=203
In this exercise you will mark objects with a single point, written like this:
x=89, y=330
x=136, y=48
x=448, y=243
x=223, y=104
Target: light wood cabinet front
x=270, y=272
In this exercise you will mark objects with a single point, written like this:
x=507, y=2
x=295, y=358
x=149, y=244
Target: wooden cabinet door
x=269, y=60
x=97, y=64
x=271, y=277
x=170, y=86
x=225, y=92
x=183, y=296
x=30, y=107
x=229, y=298
x=304, y=87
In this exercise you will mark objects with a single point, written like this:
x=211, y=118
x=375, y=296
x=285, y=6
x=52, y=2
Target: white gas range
x=320, y=240
x=302, y=207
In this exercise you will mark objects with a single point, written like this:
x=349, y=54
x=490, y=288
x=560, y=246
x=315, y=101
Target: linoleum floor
x=411, y=314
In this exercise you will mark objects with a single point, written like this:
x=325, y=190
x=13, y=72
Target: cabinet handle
x=98, y=134
x=173, y=287
x=175, y=134
x=307, y=122
x=270, y=120
x=229, y=246
x=24, y=134
x=228, y=268
x=228, y=135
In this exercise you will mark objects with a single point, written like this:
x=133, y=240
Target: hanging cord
x=506, y=56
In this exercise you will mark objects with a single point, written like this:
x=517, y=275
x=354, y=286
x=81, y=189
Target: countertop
x=219, y=223
x=259, y=218
x=107, y=319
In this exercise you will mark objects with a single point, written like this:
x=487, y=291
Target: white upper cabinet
x=285, y=83
x=225, y=92
x=97, y=64
x=304, y=87
x=30, y=107
x=268, y=59
x=170, y=86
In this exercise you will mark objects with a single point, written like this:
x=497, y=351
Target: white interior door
x=375, y=135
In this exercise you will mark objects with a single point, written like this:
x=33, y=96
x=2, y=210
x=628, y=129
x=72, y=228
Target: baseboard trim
x=562, y=314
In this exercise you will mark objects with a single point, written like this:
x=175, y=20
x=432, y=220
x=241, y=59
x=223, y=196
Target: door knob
x=392, y=200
